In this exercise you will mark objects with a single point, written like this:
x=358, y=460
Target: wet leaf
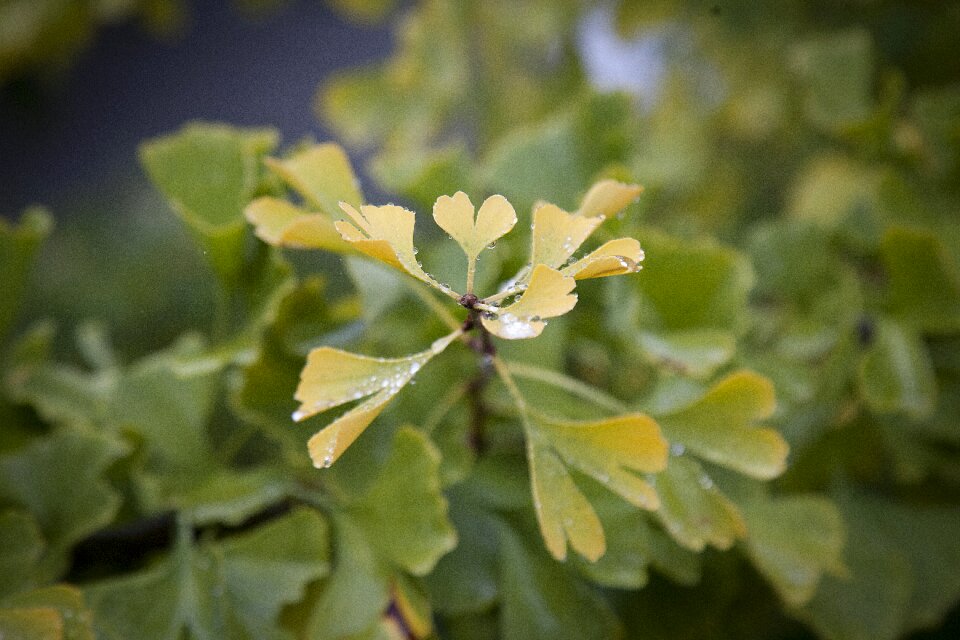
x=693, y=511
x=720, y=426
x=455, y=215
x=611, y=451
x=547, y=296
x=386, y=234
x=558, y=234
x=333, y=377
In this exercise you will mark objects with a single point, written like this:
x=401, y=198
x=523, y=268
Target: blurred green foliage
x=800, y=221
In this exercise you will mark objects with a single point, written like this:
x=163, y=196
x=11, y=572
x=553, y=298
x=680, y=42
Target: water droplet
x=677, y=449
x=706, y=482
x=298, y=415
x=492, y=245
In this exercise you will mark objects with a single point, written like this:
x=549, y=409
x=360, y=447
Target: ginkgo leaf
x=562, y=510
x=611, y=451
x=547, y=296
x=333, y=377
x=719, y=426
x=281, y=224
x=608, y=198
x=557, y=234
x=322, y=174
x=612, y=258
x=693, y=510
x=454, y=214
x=384, y=233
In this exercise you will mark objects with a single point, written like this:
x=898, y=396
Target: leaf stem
x=504, y=372
x=471, y=272
x=572, y=385
x=506, y=293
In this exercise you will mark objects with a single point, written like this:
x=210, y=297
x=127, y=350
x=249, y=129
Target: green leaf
x=357, y=593
x=59, y=478
x=794, y=541
x=271, y=566
x=231, y=497
x=836, y=100
x=21, y=547
x=720, y=426
x=923, y=288
x=167, y=398
x=404, y=513
x=536, y=163
x=209, y=173
x=896, y=374
x=233, y=589
x=693, y=511
x=692, y=303
x=871, y=602
x=466, y=579
x=18, y=248
x=56, y=612
x=543, y=599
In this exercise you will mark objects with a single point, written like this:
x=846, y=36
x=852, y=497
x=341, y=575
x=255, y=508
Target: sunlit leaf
x=332, y=377
x=455, y=215
x=611, y=451
x=612, y=258
x=608, y=198
x=547, y=295
x=322, y=175
x=384, y=233
x=281, y=224
x=562, y=510
x=720, y=426
x=558, y=234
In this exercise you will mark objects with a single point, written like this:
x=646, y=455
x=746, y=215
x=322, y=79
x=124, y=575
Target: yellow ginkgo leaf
x=719, y=427
x=547, y=296
x=608, y=198
x=333, y=377
x=611, y=451
x=322, y=175
x=613, y=258
x=281, y=224
x=384, y=233
x=563, y=512
x=557, y=234
x=455, y=215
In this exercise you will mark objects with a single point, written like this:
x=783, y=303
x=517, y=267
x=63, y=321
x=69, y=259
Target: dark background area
x=67, y=140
